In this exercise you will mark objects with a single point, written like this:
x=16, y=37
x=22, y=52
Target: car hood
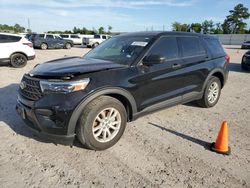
x=71, y=66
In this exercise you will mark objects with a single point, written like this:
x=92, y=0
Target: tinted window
x=64, y=36
x=104, y=37
x=75, y=37
x=191, y=46
x=214, y=46
x=49, y=36
x=41, y=36
x=166, y=47
x=9, y=38
x=97, y=36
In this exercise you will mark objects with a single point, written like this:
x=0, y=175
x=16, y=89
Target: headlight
x=63, y=87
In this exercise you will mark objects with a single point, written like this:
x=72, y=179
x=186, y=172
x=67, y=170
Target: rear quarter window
x=214, y=46
x=9, y=38
x=191, y=46
x=64, y=36
x=75, y=37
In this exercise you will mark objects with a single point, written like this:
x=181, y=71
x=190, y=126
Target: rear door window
x=97, y=36
x=9, y=38
x=64, y=36
x=214, y=47
x=191, y=46
x=75, y=37
x=49, y=37
x=165, y=47
x=41, y=36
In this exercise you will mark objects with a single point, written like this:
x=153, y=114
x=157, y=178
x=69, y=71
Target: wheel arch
x=19, y=52
x=120, y=94
x=217, y=73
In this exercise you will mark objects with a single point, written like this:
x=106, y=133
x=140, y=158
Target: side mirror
x=153, y=59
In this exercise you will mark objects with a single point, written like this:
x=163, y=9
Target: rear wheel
x=211, y=94
x=44, y=46
x=102, y=123
x=67, y=45
x=18, y=60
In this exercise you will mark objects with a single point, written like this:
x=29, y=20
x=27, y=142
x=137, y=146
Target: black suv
x=45, y=41
x=127, y=76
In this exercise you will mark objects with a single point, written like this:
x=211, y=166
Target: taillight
x=227, y=58
x=29, y=44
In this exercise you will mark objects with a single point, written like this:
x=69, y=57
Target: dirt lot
x=167, y=148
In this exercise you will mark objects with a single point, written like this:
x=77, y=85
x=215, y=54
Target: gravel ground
x=167, y=148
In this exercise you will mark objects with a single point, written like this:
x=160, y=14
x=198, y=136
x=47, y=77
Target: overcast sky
x=127, y=15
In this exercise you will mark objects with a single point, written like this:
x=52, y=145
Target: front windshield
x=121, y=49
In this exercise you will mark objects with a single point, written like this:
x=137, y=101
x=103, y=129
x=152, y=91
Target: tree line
x=84, y=30
x=16, y=28
x=233, y=24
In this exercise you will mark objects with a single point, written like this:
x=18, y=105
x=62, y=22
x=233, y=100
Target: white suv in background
x=93, y=42
x=74, y=37
x=15, y=50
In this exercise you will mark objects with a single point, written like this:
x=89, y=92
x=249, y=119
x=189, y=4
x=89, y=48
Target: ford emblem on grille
x=23, y=85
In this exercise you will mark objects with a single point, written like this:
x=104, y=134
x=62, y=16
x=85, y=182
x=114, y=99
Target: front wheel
x=18, y=60
x=95, y=45
x=102, y=123
x=211, y=94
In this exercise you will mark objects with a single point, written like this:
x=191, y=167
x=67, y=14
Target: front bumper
x=31, y=57
x=42, y=124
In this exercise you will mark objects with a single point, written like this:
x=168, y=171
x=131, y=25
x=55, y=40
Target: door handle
x=174, y=66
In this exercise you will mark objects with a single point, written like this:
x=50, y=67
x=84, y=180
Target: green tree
x=109, y=29
x=234, y=22
x=177, y=26
x=196, y=27
x=101, y=30
x=207, y=26
x=218, y=29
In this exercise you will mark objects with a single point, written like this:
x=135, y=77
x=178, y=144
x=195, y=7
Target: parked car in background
x=45, y=41
x=245, y=45
x=245, y=63
x=15, y=50
x=95, y=41
x=130, y=75
x=74, y=37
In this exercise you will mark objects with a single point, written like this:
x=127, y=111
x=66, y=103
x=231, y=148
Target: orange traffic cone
x=221, y=144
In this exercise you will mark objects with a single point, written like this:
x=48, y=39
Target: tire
x=95, y=45
x=44, y=46
x=18, y=60
x=68, y=46
x=92, y=116
x=244, y=67
x=210, y=98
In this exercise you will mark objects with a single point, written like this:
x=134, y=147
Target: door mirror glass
x=153, y=59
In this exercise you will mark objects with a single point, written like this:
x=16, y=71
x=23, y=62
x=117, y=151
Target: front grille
x=31, y=88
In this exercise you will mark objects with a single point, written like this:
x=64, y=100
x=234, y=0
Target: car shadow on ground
x=233, y=48
x=8, y=115
x=236, y=67
x=203, y=143
x=80, y=46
